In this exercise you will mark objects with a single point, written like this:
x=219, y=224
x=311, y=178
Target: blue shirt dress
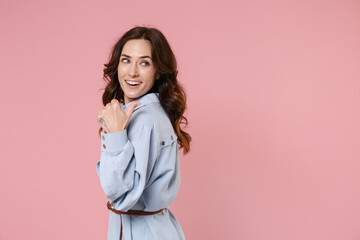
x=139, y=170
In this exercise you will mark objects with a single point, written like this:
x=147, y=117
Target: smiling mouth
x=132, y=83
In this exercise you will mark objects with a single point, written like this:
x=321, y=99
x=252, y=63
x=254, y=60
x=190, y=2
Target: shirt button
x=171, y=137
x=103, y=137
x=104, y=146
x=163, y=143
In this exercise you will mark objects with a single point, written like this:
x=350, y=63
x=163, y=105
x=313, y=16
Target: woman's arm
x=125, y=164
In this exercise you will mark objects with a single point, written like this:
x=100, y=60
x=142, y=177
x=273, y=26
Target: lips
x=131, y=81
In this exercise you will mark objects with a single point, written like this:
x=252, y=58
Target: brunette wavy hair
x=171, y=94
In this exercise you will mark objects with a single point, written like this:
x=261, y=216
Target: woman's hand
x=112, y=118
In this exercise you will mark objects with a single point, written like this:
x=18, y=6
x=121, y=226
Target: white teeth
x=132, y=83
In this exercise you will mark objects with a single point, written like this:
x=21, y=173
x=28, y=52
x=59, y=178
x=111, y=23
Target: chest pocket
x=168, y=139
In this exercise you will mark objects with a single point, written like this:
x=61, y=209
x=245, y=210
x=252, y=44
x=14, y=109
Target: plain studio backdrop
x=273, y=93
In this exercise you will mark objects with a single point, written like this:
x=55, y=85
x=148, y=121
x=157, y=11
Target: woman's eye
x=124, y=59
x=145, y=63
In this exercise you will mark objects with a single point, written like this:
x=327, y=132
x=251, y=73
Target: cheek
x=121, y=70
x=149, y=74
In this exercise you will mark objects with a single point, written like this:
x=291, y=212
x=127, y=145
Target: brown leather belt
x=129, y=212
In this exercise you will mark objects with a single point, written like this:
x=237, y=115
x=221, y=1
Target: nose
x=133, y=72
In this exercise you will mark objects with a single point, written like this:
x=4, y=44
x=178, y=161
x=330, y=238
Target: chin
x=134, y=95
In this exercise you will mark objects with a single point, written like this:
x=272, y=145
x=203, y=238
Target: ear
x=157, y=76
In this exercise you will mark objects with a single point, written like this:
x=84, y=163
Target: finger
x=115, y=101
x=132, y=106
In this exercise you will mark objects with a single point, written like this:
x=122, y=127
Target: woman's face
x=136, y=66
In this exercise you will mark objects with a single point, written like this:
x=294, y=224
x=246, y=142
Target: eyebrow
x=139, y=57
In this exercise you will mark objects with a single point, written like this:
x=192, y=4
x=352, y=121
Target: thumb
x=131, y=108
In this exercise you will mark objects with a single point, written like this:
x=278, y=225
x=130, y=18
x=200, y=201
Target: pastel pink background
x=273, y=107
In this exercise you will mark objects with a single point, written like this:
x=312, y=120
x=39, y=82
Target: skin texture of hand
x=112, y=118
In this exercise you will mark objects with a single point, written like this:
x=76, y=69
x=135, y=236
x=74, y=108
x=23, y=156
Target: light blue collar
x=145, y=99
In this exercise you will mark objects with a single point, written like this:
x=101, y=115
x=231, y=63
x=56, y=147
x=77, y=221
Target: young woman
x=140, y=132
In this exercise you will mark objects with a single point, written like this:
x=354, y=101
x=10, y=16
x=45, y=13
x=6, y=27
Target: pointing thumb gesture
x=129, y=111
x=112, y=118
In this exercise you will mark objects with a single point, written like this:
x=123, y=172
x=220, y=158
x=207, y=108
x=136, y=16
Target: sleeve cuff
x=113, y=141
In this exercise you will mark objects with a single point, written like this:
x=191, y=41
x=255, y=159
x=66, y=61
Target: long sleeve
x=139, y=170
x=126, y=163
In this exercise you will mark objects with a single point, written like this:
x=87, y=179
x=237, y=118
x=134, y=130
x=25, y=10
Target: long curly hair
x=172, y=96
